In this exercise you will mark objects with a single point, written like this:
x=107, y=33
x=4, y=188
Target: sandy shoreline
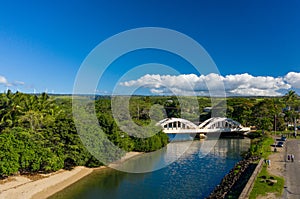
x=21, y=187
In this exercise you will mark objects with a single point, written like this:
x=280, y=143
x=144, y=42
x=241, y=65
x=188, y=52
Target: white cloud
x=3, y=80
x=239, y=84
x=156, y=91
x=293, y=79
x=19, y=83
x=245, y=84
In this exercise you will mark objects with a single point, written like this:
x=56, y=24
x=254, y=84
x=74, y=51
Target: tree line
x=271, y=114
x=38, y=133
x=265, y=113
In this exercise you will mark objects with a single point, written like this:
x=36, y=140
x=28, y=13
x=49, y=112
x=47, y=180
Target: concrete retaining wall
x=248, y=188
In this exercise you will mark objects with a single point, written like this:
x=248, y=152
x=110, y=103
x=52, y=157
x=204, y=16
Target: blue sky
x=43, y=43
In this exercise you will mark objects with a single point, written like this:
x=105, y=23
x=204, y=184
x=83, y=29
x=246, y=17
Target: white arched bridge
x=212, y=125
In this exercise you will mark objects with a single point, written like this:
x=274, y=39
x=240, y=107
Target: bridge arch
x=214, y=124
x=220, y=122
x=176, y=124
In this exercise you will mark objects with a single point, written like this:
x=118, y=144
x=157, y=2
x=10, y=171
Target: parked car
x=280, y=144
x=283, y=138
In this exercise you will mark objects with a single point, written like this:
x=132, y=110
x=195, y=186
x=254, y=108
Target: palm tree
x=9, y=109
x=290, y=99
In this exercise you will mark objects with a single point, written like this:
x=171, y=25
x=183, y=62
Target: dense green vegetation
x=38, y=133
x=261, y=146
x=265, y=113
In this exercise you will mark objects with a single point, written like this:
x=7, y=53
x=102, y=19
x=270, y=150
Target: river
x=194, y=174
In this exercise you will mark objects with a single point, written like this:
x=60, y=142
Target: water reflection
x=226, y=148
x=155, y=160
x=191, y=176
x=230, y=148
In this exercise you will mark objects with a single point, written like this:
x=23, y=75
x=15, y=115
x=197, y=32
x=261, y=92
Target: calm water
x=193, y=175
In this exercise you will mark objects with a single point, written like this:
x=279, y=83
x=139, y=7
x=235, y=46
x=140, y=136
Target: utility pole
x=275, y=124
x=138, y=111
x=295, y=127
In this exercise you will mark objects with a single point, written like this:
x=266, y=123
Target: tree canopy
x=38, y=133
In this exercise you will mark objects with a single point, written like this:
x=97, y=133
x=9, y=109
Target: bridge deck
x=204, y=131
x=212, y=125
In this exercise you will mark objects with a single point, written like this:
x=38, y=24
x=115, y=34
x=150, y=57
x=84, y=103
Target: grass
x=263, y=185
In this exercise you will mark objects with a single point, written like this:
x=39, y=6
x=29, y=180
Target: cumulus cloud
x=238, y=84
x=293, y=79
x=246, y=84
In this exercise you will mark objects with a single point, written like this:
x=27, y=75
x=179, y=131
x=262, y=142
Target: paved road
x=292, y=172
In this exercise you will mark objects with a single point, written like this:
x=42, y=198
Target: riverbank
x=233, y=183
x=174, y=181
x=45, y=185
